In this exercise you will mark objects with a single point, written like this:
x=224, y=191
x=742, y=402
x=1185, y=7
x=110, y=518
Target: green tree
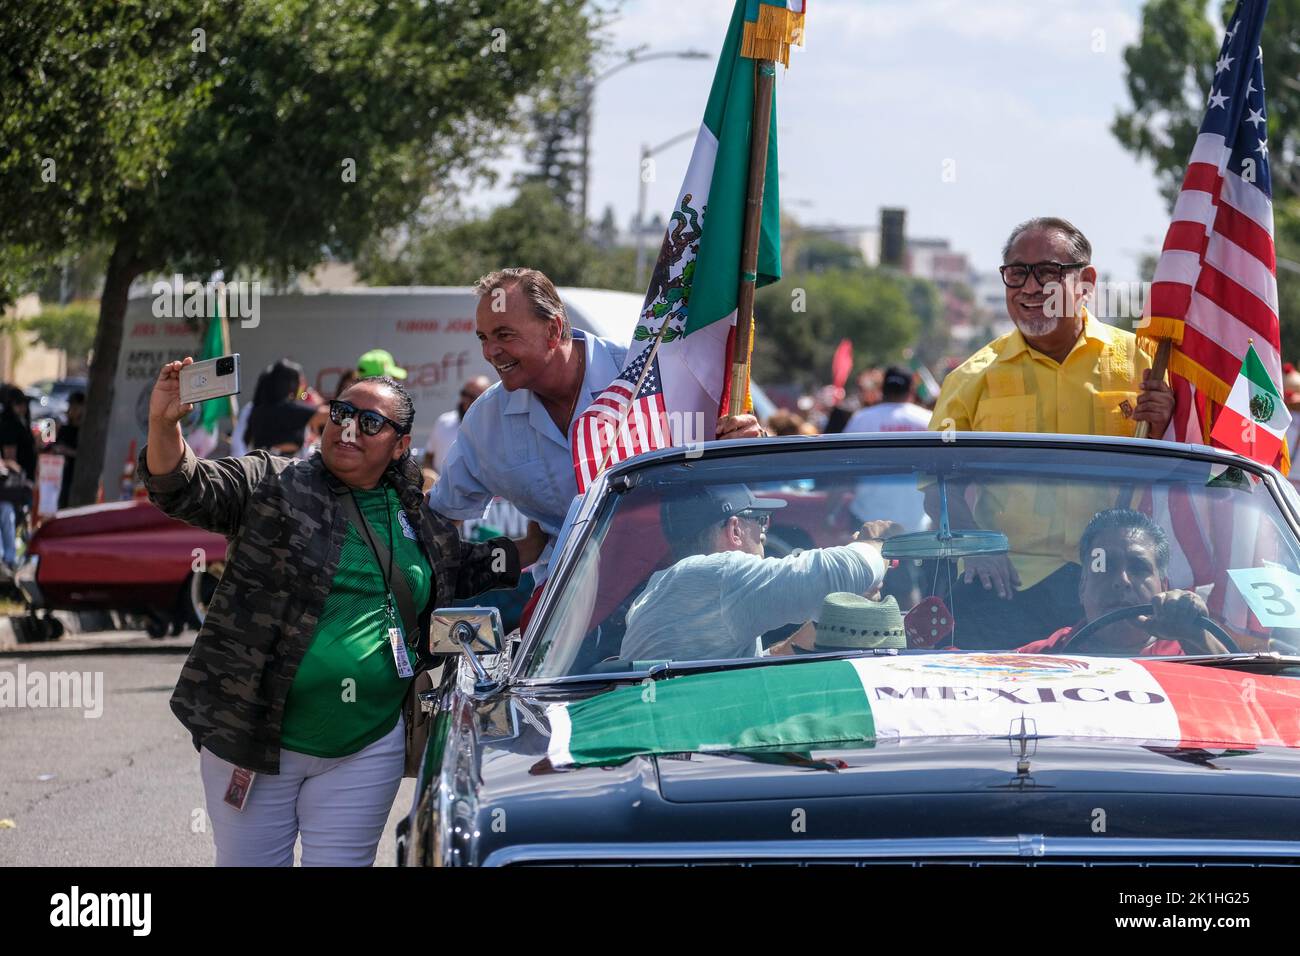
x=253, y=135
x=814, y=253
x=70, y=328
x=800, y=321
x=553, y=149
x=1170, y=71
x=535, y=229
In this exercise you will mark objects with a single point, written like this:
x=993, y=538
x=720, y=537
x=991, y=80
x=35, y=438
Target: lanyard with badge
x=396, y=635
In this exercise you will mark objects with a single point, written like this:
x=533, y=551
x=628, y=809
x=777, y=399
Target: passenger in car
x=1125, y=560
x=723, y=593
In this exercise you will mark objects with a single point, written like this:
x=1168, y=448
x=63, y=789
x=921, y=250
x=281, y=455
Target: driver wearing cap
x=722, y=593
x=1125, y=560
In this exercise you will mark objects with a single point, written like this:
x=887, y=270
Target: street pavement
x=118, y=789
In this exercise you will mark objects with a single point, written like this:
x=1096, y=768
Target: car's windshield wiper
x=666, y=669
x=1263, y=662
x=677, y=668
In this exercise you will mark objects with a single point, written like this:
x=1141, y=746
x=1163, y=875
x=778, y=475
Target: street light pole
x=648, y=151
x=633, y=57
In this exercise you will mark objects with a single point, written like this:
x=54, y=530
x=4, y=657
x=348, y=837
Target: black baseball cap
x=700, y=507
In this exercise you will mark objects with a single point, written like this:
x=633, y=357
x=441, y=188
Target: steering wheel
x=1137, y=610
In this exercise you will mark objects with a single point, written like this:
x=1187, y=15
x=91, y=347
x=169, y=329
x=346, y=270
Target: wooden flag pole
x=765, y=74
x=1157, y=372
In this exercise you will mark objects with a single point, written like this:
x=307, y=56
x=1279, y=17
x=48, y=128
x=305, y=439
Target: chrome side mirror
x=471, y=631
x=458, y=630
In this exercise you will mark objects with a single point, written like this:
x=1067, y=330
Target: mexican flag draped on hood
x=673, y=395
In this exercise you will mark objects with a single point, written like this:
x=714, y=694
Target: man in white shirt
x=723, y=594
x=515, y=441
x=897, y=412
x=899, y=500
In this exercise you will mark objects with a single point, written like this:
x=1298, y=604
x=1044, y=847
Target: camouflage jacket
x=286, y=531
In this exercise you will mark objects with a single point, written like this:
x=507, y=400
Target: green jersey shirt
x=347, y=692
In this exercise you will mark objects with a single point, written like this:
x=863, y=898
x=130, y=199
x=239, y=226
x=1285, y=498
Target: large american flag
x=628, y=418
x=1214, y=291
x=1215, y=286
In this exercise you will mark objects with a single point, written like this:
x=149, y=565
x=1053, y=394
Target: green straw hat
x=852, y=622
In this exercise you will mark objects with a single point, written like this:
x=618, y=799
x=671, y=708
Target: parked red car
x=119, y=556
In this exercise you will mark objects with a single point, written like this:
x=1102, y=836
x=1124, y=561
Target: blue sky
x=1019, y=93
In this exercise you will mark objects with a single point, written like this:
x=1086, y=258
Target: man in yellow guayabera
x=1059, y=371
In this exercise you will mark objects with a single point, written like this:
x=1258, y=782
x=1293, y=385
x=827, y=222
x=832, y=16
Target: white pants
x=340, y=805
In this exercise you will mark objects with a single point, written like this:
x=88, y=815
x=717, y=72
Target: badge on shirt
x=398, y=644
x=241, y=784
x=1126, y=408
x=407, y=529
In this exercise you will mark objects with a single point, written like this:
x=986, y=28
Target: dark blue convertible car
x=1123, y=689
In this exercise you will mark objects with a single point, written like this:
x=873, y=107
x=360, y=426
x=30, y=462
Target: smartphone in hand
x=213, y=378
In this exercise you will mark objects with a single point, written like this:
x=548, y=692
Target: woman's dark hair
x=404, y=474
x=13, y=395
x=278, y=383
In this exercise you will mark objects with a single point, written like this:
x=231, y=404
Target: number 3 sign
x=1272, y=593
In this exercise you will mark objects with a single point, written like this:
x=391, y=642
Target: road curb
x=78, y=642
x=85, y=649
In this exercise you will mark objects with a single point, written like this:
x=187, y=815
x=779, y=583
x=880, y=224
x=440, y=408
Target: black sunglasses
x=1016, y=275
x=763, y=518
x=369, y=421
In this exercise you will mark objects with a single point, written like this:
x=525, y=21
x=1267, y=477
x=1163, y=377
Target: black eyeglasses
x=1017, y=274
x=762, y=518
x=369, y=421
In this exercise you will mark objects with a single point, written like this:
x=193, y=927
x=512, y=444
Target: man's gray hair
x=537, y=288
x=1080, y=247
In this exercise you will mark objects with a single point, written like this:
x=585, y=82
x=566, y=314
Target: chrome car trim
x=1024, y=845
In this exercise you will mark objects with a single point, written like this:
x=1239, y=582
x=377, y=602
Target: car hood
x=947, y=765
x=952, y=798
x=938, y=748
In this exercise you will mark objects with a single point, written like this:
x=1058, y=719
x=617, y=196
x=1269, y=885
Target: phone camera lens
x=225, y=366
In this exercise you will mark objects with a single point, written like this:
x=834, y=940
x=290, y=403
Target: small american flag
x=618, y=425
x=1215, y=285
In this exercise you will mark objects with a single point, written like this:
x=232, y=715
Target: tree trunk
x=123, y=267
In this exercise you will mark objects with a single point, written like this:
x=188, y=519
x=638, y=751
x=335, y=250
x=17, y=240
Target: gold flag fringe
x=770, y=37
x=1156, y=328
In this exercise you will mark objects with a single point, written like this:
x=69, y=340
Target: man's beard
x=1039, y=327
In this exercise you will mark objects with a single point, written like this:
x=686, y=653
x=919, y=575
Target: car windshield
x=1051, y=550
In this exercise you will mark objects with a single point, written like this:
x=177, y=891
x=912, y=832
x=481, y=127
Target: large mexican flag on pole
x=1254, y=420
x=797, y=706
x=672, y=386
